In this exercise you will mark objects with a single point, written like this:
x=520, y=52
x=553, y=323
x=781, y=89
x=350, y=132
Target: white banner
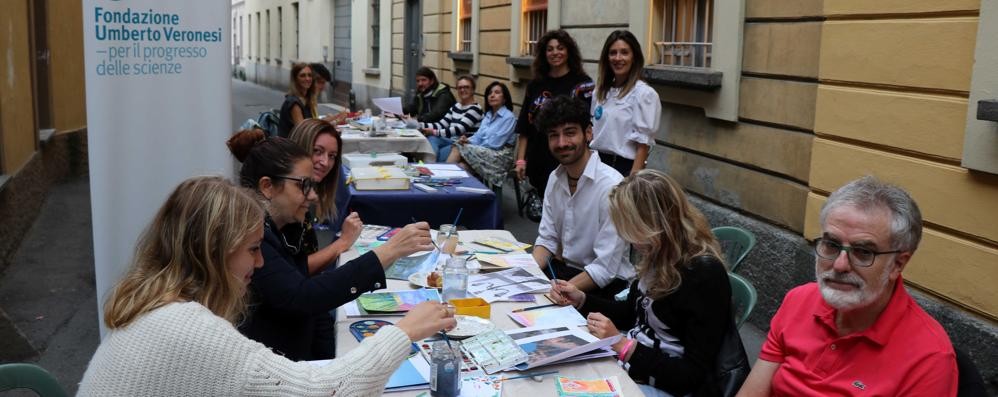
x=158, y=112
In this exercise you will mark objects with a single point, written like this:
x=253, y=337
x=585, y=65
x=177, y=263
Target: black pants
x=623, y=165
x=566, y=272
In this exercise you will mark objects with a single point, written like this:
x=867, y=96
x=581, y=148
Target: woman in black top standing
x=679, y=309
x=557, y=71
x=298, y=103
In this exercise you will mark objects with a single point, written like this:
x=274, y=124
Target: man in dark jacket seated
x=433, y=99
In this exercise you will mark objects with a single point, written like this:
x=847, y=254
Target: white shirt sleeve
x=647, y=113
x=611, y=251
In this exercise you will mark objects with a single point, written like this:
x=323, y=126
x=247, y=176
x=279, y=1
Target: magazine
x=546, y=346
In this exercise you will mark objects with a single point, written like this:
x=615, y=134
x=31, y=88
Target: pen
x=527, y=309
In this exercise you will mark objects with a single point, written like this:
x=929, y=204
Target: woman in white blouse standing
x=626, y=110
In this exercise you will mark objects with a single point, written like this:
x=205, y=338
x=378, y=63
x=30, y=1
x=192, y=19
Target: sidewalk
x=47, y=292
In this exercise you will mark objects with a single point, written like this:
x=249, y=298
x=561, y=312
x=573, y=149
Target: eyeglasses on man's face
x=464, y=87
x=305, y=184
x=858, y=256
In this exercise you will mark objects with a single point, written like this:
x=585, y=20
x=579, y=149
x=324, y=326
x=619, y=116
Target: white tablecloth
x=358, y=142
x=592, y=369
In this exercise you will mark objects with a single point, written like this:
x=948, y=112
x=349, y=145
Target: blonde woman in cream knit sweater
x=171, y=316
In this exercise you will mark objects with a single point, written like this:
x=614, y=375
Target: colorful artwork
x=367, y=328
x=396, y=301
x=407, y=266
x=481, y=386
x=569, y=387
x=549, y=317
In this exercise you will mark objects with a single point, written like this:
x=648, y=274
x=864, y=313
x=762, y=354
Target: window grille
x=535, y=22
x=686, y=37
x=465, y=22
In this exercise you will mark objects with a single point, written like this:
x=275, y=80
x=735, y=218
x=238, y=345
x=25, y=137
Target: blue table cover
x=398, y=207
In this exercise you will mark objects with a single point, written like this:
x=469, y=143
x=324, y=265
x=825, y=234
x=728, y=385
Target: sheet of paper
x=450, y=174
x=442, y=167
x=389, y=105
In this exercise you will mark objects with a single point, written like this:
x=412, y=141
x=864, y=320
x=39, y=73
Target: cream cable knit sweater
x=183, y=349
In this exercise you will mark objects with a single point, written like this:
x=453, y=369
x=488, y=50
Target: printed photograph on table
x=504, y=284
x=396, y=301
x=545, y=346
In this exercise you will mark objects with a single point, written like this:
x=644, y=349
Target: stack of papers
x=445, y=170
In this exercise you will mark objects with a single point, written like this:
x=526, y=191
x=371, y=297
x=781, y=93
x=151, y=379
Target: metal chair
x=29, y=376
x=735, y=243
x=743, y=298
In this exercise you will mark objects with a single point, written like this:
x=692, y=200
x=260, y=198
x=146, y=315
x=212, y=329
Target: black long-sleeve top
x=286, y=301
x=698, y=313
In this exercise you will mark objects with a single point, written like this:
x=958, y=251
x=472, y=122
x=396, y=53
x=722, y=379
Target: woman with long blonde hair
x=299, y=100
x=171, y=317
x=679, y=308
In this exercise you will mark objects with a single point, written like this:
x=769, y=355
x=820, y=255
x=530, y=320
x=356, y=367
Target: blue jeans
x=441, y=146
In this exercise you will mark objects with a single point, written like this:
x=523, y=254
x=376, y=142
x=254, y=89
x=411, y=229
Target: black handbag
x=732, y=366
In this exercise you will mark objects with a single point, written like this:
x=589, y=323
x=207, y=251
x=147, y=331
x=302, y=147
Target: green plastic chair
x=743, y=298
x=735, y=242
x=29, y=376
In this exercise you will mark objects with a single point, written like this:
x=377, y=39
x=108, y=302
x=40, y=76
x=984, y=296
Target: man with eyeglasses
x=856, y=331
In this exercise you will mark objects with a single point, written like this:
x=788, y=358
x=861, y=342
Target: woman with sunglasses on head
x=489, y=153
x=557, y=71
x=171, y=316
x=287, y=301
x=679, y=309
x=462, y=120
x=626, y=111
x=299, y=100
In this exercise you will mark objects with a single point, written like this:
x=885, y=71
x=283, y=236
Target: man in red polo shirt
x=857, y=331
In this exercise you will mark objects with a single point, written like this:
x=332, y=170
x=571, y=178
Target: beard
x=863, y=295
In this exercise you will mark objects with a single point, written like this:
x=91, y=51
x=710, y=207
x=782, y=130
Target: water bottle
x=455, y=279
x=445, y=370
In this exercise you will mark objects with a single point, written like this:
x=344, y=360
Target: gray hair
x=868, y=193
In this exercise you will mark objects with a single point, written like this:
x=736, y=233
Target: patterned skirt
x=491, y=165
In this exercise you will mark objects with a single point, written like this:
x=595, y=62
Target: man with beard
x=432, y=100
x=576, y=236
x=857, y=331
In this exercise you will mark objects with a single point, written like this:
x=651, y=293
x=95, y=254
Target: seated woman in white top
x=626, y=111
x=489, y=153
x=171, y=316
x=461, y=120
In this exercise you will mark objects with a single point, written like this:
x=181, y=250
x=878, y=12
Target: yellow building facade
x=42, y=107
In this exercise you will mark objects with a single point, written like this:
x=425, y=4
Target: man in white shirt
x=576, y=236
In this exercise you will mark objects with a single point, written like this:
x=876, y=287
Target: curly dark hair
x=542, y=68
x=562, y=110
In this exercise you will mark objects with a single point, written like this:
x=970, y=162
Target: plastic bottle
x=455, y=279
